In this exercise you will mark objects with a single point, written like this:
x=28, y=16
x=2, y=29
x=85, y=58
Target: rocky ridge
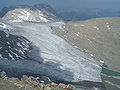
x=36, y=13
x=30, y=83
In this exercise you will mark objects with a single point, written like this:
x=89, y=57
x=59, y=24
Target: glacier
x=52, y=55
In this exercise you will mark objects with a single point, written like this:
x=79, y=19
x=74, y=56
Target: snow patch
x=7, y=42
x=18, y=44
x=107, y=23
x=10, y=56
x=2, y=25
x=102, y=61
x=91, y=55
x=82, y=25
x=0, y=47
x=1, y=56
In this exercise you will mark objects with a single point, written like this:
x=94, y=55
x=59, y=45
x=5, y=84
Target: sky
x=61, y=4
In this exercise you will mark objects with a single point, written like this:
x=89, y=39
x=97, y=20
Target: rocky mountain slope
x=29, y=83
x=100, y=38
x=13, y=47
x=36, y=13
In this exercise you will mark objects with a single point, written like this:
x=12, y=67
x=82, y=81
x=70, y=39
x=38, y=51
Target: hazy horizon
x=64, y=4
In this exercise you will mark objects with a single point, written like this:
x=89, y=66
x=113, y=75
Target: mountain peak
x=36, y=13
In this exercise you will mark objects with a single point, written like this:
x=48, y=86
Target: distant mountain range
x=45, y=13
x=84, y=14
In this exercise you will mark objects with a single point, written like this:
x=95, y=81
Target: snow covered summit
x=36, y=13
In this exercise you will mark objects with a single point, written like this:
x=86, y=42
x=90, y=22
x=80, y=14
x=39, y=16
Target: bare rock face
x=13, y=47
x=36, y=13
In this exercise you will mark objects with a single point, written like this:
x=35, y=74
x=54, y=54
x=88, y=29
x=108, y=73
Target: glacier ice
x=52, y=55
